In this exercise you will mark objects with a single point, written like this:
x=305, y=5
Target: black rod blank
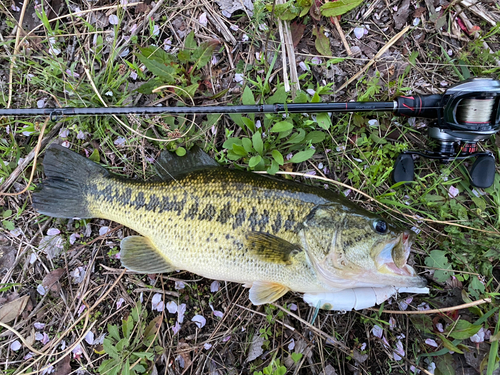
x=265, y=108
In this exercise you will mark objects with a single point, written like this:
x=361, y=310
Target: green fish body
x=271, y=235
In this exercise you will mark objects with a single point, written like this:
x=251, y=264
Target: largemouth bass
x=271, y=235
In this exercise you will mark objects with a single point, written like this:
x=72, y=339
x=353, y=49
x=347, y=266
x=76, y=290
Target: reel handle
x=418, y=106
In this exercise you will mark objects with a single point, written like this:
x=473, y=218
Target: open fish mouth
x=394, y=255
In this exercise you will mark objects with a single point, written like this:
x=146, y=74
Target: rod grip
x=418, y=105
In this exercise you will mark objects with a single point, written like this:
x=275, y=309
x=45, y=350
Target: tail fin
x=62, y=193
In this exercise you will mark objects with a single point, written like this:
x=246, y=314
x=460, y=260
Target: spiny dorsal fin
x=271, y=248
x=169, y=164
x=263, y=292
x=138, y=254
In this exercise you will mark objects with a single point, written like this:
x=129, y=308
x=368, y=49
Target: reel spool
x=466, y=114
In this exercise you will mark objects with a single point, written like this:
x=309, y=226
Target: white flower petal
x=113, y=19
x=89, y=337
x=53, y=232
x=207, y=345
x=181, y=310
x=172, y=307
x=431, y=342
x=119, y=303
x=203, y=19
x=291, y=345
x=199, y=320
x=214, y=287
x=377, y=331
x=38, y=325
x=359, y=32
x=15, y=346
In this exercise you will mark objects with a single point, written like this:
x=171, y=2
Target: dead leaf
x=315, y=11
x=7, y=257
x=329, y=370
x=419, y=12
x=255, y=350
x=153, y=326
x=297, y=32
x=64, y=367
x=142, y=8
x=183, y=350
x=228, y=7
x=51, y=281
x=401, y=15
x=13, y=309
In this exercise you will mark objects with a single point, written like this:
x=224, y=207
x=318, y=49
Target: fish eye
x=380, y=226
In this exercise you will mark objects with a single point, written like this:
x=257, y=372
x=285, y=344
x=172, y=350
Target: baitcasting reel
x=466, y=114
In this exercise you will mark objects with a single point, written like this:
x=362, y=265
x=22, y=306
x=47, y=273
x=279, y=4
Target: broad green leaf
x=148, y=87
x=324, y=120
x=95, y=156
x=190, y=43
x=228, y=144
x=157, y=54
x=113, y=331
x=247, y=144
x=127, y=326
x=273, y=168
x=239, y=150
x=279, y=97
x=190, y=90
x=254, y=160
x=296, y=357
x=423, y=323
x=445, y=364
x=166, y=73
x=297, y=137
x=181, y=151
x=463, y=330
x=126, y=368
x=9, y=225
x=7, y=213
x=438, y=259
x=249, y=123
x=375, y=138
x=322, y=42
x=238, y=119
x=339, y=7
x=202, y=55
x=282, y=126
x=247, y=98
x=258, y=145
x=148, y=355
x=448, y=344
x=122, y=344
x=315, y=136
x=301, y=156
x=278, y=157
x=232, y=156
x=480, y=203
x=110, y=349
x=315, y=98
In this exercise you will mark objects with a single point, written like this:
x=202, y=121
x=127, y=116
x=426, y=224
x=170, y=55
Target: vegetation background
x=66, y=306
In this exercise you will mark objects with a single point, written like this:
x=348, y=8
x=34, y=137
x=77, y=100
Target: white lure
x=357, y=298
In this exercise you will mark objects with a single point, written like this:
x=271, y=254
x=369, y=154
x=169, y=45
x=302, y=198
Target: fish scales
x=272, y=235
x=199, y=220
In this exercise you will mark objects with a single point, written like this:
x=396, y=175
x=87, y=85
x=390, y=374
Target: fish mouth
x=393, y=257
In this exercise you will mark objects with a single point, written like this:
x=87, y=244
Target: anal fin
x=138, y=254
x=263, y=292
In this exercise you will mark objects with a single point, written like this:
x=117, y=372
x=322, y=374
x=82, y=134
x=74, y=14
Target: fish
x=271, y=235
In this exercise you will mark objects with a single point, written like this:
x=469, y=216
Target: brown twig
x=436, y=311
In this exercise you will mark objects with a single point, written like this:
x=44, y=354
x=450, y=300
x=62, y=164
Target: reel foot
x=404, y=168
x=482, y=172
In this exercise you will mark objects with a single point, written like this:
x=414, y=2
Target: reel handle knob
x=404, y=168
x=482, y=172
x=418, y=106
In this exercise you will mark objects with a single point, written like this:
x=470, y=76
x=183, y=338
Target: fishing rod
x=465, y=114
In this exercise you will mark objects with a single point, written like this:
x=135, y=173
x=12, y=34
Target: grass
x=455, y=245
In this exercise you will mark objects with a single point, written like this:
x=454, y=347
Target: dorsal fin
x=169, y=164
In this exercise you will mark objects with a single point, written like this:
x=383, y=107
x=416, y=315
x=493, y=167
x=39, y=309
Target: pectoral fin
x=271, y=248
x=138, y=254
x=263, y=292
